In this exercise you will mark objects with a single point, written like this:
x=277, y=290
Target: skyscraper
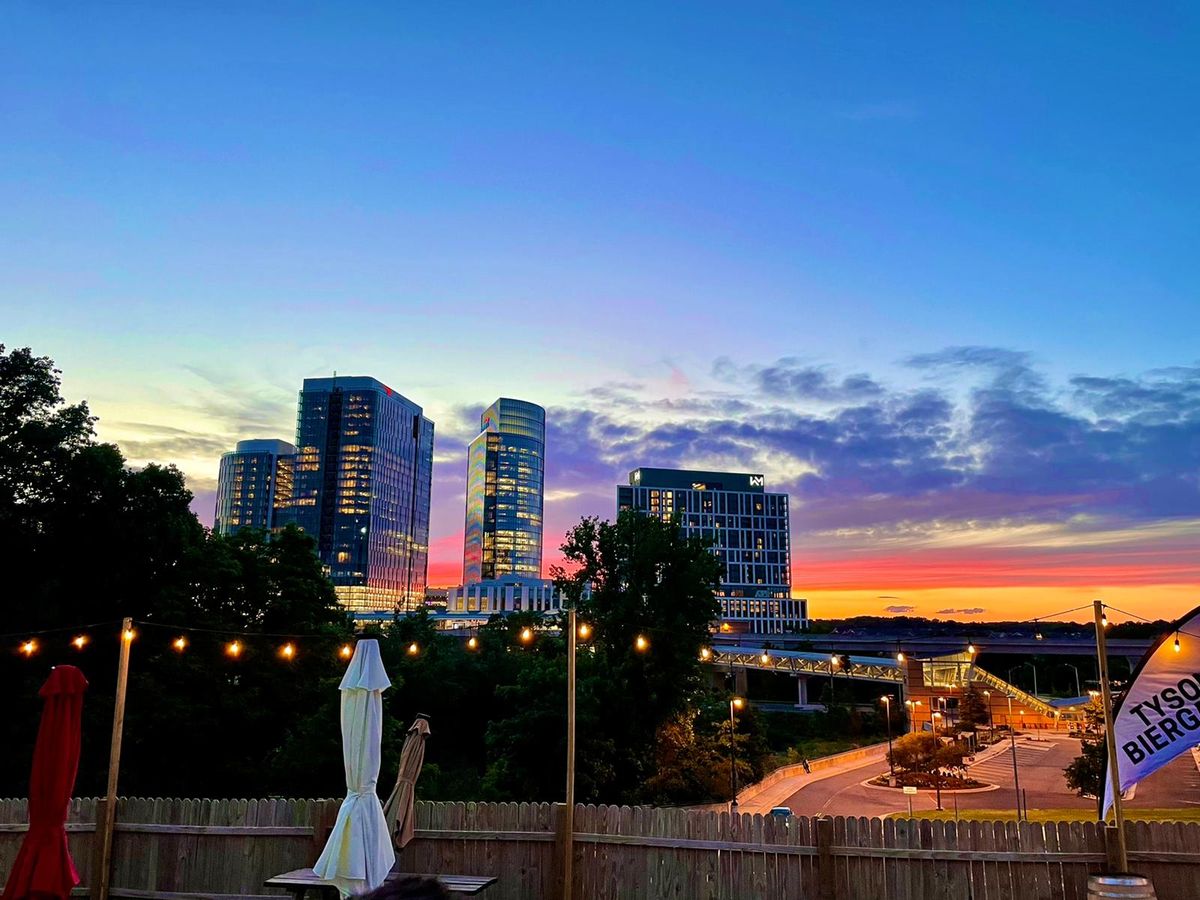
x=505, y=479
x=750, y=533
x=254, y=487
x=363, y=472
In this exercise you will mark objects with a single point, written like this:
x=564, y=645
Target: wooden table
x=300, y=881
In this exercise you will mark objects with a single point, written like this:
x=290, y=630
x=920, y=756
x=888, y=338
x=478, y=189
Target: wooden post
x=1110, y=740
x=108, y=813
x=568, y=863
x=826, y=882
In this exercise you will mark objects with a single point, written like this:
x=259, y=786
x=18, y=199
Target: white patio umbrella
x=359, y=854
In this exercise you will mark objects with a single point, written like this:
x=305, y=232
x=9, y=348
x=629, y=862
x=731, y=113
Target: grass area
x=1191, y=814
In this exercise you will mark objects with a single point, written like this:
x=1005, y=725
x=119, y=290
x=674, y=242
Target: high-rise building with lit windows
x=749, y=531
x=364, y=466
x=254, y=487
x=505, y=478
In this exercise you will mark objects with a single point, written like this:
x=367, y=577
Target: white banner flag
x=1159, y=716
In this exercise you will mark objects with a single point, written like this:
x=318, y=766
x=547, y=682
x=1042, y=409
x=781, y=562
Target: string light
x=765, y=658
x=288, y=650
x=900, y=656
x=1104, y=620
x=1177, y=642
x=180, y=643
x=80, y=641
x=29, y=647
x=234, y=649
x=641, y=644
x=526, y=634
x=585, y=630
x=705, y=654
x=129, y=634
x=971, y=649
x=472, y=643
x=413, y=649
x=346, y=652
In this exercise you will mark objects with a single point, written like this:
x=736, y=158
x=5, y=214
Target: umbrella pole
x=569, y=812
x=105, y=827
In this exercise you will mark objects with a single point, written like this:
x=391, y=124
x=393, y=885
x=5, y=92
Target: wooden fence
x=184, y=849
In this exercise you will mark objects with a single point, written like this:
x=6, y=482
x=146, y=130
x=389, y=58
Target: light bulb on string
x=705, y=654
x=641, y=644
x=585, y=630
x=180, y=643
x=1177, y=642
x=288, y=651
x=79, y=641
x=29, y=647
x=472, y=643
x=413, y=649
x=346, y=652
x=765, y=658
x=128, y=635
x=234, y=649
x=526, y=635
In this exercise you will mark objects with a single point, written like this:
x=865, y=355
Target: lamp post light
x=1075, y=669
x=834, y=662
x=887, y=705
x=988, y=694
x=1032, y=666
x=734, y=703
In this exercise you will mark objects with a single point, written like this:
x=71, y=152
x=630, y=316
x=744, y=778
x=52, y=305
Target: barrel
x=1119, y=887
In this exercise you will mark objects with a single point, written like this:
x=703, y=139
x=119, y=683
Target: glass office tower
x=364, y=467
x=505, y=478
x=750, y=533
x=254, y=487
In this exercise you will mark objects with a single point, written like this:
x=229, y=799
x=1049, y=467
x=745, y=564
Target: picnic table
x=300, y=881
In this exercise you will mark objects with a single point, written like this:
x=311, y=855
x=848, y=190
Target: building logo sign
x=757, y=481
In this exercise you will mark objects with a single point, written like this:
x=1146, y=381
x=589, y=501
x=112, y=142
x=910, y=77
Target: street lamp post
x=834, y=662
x=1075, y=669
x=1032, y=666
x=887, y=705
x=1012, y=740
x=988, y=694
x=734, y=703
x=937, y=770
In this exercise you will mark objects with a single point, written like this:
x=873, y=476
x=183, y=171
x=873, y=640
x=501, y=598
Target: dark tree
x=1085, y=775
x=972, y=708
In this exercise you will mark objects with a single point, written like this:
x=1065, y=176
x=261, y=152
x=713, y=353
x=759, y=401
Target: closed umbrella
x=399, y=809
x=359, y=855
x=43, y=868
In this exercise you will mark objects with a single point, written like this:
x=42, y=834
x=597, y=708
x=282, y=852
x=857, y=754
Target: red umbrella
x=43, y=869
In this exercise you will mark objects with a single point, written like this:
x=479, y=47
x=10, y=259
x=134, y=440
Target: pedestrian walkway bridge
x=951, y=671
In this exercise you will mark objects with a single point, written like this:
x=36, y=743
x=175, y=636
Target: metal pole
x=1110, y=737
x=887, y=705
x=114, y=764
x=1012, y=738
x=569, y=812
x=732, y=764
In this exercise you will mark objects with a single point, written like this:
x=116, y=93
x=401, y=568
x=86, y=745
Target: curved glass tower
x=505, y=477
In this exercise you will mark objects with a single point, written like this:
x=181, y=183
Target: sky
x=932, y=269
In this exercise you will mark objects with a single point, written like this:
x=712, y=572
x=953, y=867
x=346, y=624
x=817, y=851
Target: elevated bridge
x=948, y=673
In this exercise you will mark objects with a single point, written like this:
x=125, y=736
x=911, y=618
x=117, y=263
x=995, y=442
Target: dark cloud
x=1011, y=451
x=969, y=611
x=898, y=609
x=788, y=378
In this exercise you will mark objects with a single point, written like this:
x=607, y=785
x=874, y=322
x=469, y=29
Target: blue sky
x=205, y=203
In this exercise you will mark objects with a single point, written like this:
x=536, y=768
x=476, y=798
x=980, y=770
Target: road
x=1040, y=765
